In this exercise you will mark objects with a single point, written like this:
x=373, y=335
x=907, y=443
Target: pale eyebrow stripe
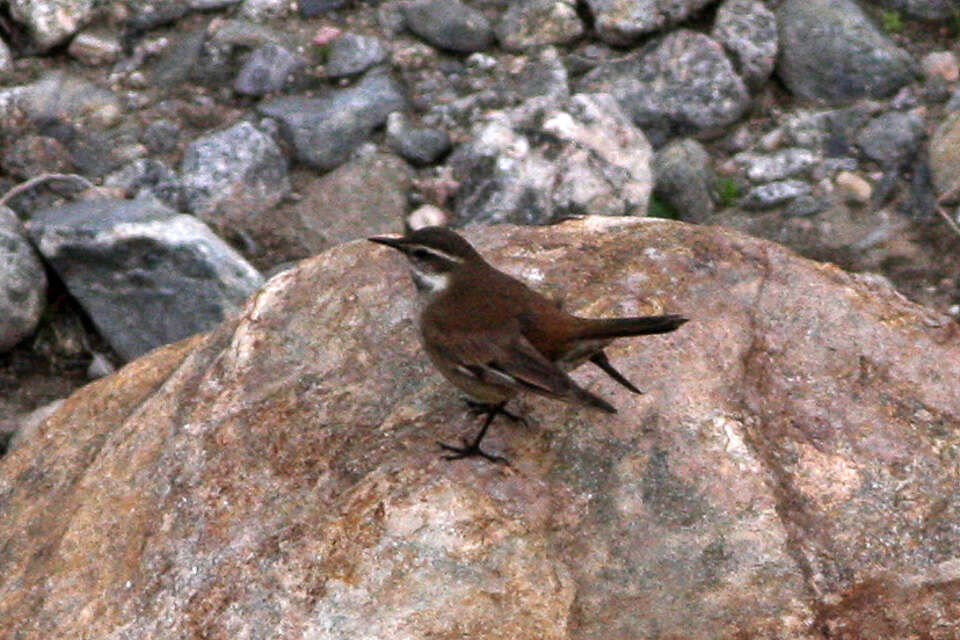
x=437, y=252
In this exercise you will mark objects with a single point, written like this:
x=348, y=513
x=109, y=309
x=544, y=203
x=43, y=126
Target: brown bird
x=492, y=336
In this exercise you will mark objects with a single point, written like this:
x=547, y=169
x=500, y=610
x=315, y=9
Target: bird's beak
x=396, y=243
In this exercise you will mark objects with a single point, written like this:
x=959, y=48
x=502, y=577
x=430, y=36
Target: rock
x=685, y=179
x=540, y=75
x=6, y=61
x=427, y=216
x=144, y=274
x=785, y=163
x=921, y=9
x=544, y=161
x=314, y=8
x=364, y=197
x=144, y=15
x=891, y=138
x=853, y=188
x=532, y=23
x=99, y=367
x=266, y=70
x=686, y=83
x=281, y=475
x=772, y=194
x=830, y=51
x=180, y=60
x=149, y=178
x=161, y=136
x=265, y=9
x=944, y=156
x=831, y=132
x=805, y=205
x=622, y=22
x=96, y=47
x=419, y=145
x=33, y=155
x=51, y=22
x=324, y=131
x=941, y=64
x=23, y=282
x=60, y=96
x=449, y=24
x=351, y=54
x=233, y=175
x=28, y=424
x=748, y=31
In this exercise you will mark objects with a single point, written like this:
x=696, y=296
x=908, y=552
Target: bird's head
x=436, y=256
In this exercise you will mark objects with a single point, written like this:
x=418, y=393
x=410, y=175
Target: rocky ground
x=161, y=158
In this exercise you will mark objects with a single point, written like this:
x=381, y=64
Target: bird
x=493, y=337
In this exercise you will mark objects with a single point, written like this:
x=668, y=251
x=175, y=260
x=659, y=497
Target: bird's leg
x=470, y=449
x=481, y=409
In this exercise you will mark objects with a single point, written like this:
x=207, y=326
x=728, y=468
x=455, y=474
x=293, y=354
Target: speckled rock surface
x=790, y=471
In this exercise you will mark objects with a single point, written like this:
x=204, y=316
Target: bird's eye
x=421, y=254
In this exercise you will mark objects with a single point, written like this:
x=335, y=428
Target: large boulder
x=830, y=51
x=790, y=471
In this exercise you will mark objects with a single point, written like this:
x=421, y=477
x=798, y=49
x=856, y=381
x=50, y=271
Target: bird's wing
x=506, y=358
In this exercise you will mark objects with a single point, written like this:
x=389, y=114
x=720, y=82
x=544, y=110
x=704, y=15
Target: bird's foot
x=470, y=450
x=482, y=409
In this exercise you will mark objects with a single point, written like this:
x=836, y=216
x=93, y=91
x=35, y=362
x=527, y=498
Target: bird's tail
x=602, y=328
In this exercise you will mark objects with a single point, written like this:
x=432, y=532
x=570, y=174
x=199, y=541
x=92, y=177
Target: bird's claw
x=469, y=450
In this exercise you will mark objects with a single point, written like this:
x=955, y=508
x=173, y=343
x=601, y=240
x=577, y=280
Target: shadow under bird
x=493, y=337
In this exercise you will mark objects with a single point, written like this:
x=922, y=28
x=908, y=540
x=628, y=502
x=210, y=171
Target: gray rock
x=26, y=424
x=314, y=8
x=144, y=274
x=143, y=15
x=531, y=23
x=805, y=205
x=58, y=95
x=266, y=70
x=891, y=138
x=541, y=161
x=324, y=131
x=265, y=9
x=772, y=194
x=207, y=5
x=351, y=54
x=748, y=31
x=686, y=83
x=449, y=24
x=685, y=179
x=234, y=174
x=147, y=177
x=944, y=157
x=830, y=51
x=768, y=167
x=32, y=155
x=161, y=136
x=96, y=47
x=953, y=103
x=23, y=282
x=922, y=9
x=542, y=75
x=831, y=132
x=622, y=22
x=52, y=22
x=363, y=197
x=6, y=61
x=419, y=145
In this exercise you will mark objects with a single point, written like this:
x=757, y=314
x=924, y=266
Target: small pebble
x=853, y=188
